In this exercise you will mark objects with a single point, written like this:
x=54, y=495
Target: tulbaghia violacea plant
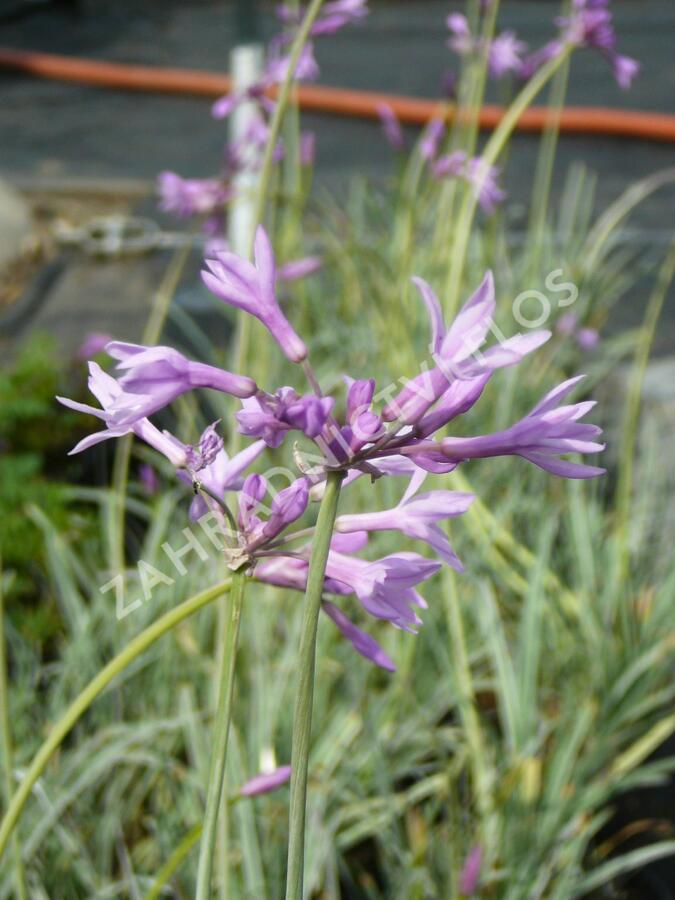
x=393, y=433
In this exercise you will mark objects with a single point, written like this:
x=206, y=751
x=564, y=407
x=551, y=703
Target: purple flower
x=94, y=342
x=567, y=323
x=278, y=65
x=431, y=139
x=271, y=417
x=108, y=392
x=548, y=430
x=154, y=376
x=470, y=874
x=265, y=782
x=390, y=125
x=363, y=643
x=148, y=478
x=456, y=351
x=416, y=517
x=449, y=165
x=483, y=179
x=504, y=54
x=299, y=268
x=222, y=474
x=251, y=288
x=287, y=506
x=187, y=197
x=588, y=338
x=385, y=587
x=589, y=25
x=461, y=41
x=625, y=69
x=334, y=15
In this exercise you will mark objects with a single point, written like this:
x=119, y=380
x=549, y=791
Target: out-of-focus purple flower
x=535, y=60
x=431, y=139
x=223, y=474
x=548, y=431
x=504, y=51
x=307, y=148
x=504, y=54
x=416, y=517
x=108, y=392
x=362, y=642
x=187, y=197
x=148, y=479
x=334, y=15
x=154, y=376
x=390, y=125
x=251, y=288
x=449, y=165
x=270, y=417
x=567, y=323
x=588, y=338
x=484, y=180
x=589, y=24
x=482, y=177
x=299, y=268
x=469, y=877
x=461, y=40
x=278, y=64
x=455, y=351
x=265, y=782
x=93, y=343
x=385, y=587
x=625, y=69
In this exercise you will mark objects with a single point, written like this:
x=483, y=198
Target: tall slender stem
x=302, y=718
x=220, y=736
x=6, y=740
x=283, y=98
x=490, y=155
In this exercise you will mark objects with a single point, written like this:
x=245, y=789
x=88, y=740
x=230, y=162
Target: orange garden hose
x=338, y=101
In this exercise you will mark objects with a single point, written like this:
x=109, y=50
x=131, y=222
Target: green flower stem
x=95, y=687
x=490, y=155
x=174, y=862
x=282, y=100
x=302, y=717
x=543, y=176
x=6, y=747
x=221, y=732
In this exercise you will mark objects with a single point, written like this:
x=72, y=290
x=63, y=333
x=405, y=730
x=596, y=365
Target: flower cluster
x=208, y=197
x=393, y=433
x=504, y=52
x=589, y=24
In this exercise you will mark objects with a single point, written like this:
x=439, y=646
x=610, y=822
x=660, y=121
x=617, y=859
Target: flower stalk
x=302, y=719
x=490, y=155
x=220, y=737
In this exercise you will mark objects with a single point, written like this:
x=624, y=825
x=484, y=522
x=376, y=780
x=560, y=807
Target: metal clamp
x=118, y=235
